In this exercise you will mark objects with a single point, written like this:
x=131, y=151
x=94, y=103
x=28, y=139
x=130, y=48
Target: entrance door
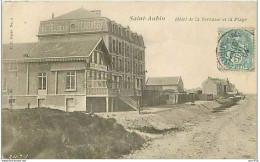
x=69, y=104
x=41, y=103
x=225, y=89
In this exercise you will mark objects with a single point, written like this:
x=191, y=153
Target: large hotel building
x=81, y=62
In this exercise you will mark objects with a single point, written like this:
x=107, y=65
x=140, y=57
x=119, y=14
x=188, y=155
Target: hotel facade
x=81, y=62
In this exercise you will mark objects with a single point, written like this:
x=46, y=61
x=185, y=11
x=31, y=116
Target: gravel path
x=227, y=134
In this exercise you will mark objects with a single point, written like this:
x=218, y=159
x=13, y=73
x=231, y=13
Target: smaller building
x=217, y=87
x=164, y=90
x=175, y=84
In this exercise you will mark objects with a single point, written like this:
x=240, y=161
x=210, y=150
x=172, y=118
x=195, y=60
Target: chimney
x=52, y=15
x=97, y=12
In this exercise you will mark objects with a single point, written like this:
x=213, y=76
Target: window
x=134, y=54
x=126, y=50
x=119, y=31
x=4, y=85
x=126, y=66
x=120, y=47
x=130, y=54
x=137, y=83
x=95, y=57
x=114, y=63
x=72, y=26
x=102, y=75
x=119, y=64
x=89, y=73
x=11, y=101
x=41, y=103
x=130, y=67
x=71, y=80
x=115, y=82
x=113, y=28
x=123, y=48
x=114, y=45
x=99, y=75
x=116, y=28
x=13, y=67
x=94, y=77
x=128, y=82
x=101, y=57
x=110, y=44
x=42, y=81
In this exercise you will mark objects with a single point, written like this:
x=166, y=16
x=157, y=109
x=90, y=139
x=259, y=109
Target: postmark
x=235, y=50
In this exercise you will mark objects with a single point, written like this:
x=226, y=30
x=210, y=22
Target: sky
x=173, y=48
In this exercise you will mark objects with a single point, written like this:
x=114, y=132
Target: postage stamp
x=235, y=50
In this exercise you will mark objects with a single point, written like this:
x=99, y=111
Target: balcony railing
x=97, y=91
x=98, y=67
x=101, y=91
x=97, y=84
x=104, y=87
x=106, y=91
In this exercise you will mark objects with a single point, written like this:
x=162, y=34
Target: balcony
x=99, y=88
x=130, y=92
x=97, y=91
x=103, y=88
x=98, y=66
x=101, y=91
x=112, y=92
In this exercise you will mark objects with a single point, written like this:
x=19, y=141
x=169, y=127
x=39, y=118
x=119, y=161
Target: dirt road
x=227, y=134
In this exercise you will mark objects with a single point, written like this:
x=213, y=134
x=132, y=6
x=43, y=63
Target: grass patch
x=49, y=133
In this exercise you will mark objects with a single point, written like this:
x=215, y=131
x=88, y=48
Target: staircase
x=129, y=101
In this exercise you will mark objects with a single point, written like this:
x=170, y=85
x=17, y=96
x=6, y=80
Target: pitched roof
x=217, y=80
x=163, y=80
x=17, y=50
x=69, y=48
x=80, y=13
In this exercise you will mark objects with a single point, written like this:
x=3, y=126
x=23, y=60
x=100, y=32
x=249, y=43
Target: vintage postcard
x=129, y=80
